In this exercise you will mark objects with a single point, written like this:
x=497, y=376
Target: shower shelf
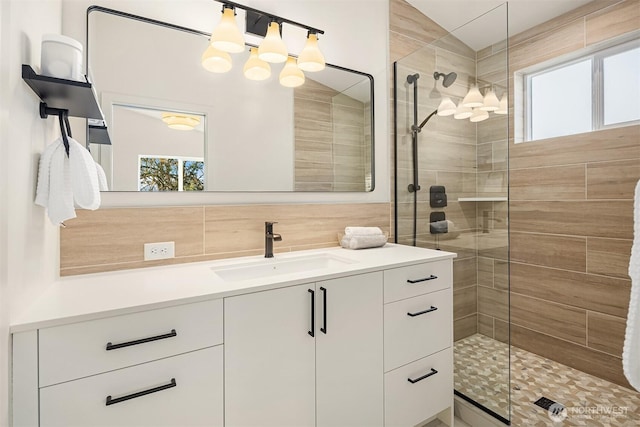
x=483, y=199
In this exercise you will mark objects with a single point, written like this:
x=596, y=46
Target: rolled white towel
x=363, y=241
x=84, y=176
x=363, y=231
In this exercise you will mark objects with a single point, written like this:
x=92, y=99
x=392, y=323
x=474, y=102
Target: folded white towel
x=363, y=241
x=60, y=200
x=631, y=348
x=102, y=178
x=362, y=231
x=84, y=176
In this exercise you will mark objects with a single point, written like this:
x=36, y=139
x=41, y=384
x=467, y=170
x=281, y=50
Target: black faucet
x=269, y=237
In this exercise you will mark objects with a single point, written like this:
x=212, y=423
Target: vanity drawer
x=82, y=349
x=417, y=327
x=407, y=282
x=408, y=404
x=195, y=400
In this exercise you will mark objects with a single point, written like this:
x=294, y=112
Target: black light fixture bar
x=271, y=16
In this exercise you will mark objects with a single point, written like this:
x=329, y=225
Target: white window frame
x=180, y=159
x=597, y=87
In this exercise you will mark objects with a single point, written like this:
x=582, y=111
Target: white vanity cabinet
x=306, y=355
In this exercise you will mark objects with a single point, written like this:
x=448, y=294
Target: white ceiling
x=523, y=14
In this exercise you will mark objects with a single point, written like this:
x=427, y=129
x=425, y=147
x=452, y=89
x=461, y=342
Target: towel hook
x=62, y=120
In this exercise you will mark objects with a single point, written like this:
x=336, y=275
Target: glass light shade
x=272, y=49
x=311, y=59
x=216, y=61
x=504, y=105
x=473, y=98
x=491, y=102
x=180, y=121
x=447, y=107
x=291, y=75
x=227, y=36
x=479, y=115
x=462, y=112
x=255, y=68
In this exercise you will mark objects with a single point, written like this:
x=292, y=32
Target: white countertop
x=92, y=296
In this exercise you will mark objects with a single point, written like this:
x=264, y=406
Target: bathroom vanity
x=327, y=337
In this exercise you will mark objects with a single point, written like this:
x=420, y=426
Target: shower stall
x=451, y=192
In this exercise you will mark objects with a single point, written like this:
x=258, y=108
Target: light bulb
x=490, y=102
x=227, y=36
x=478, y=115
x=462, y=112
x=216, y=61
x=473, y=98
x=255, y=68
x=272, y=49
x=291, y=75
x=447, y=107
x=504, y=105
x=311, y=59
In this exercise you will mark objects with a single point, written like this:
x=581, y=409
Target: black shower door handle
x=313, y=312
x=111, y=401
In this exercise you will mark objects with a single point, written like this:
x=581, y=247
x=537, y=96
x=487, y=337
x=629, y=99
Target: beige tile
x=609, y=257
x=311, y=109
x=549, y=318
x=457, y=184
x=596, y=293
x=606, y=333
x=454, y=44
x=407, y=20
x=493, y=69
x=483, y=53
x=485, y=157
x=612, y=180
x=113, y=236
x=501, y=331
x=465, y=302
x=493, y=129
x=485, y=272
x=549, y=183
x=485, y=325
x=493, y=183
x=464, y=327
x=463, y=66
x=567, y=253
x=616, y=20
x=464, y=272
x=501, y=274
x=613, y=218
x=493, y=302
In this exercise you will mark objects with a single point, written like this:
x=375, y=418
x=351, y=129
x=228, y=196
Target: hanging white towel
x=102, y=178
x=631, y=349
x=84, y=177
x=60, y=200
x=42, y=189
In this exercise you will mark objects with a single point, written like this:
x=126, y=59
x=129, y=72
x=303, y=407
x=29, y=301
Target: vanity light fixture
x=291, y=75
x=473, y=98
x=478, y=115
x=447, y=107
x=462, y=112
x=504, y=105
x=255, y=68
x=272, y=49
x=311, y=58
x=227, y=36
x=216, y=61
x=490, y=102
x=180, y=121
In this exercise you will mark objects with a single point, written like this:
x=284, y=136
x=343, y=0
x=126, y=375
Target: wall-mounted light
x=478, y=115
x=216, y=61
x=490, y=102
x=255, y=68
x=462, y=112
x=227, y=36
x=311, y=58
x=291, y=75
x=447, y=107
x=180, y=121
x=473, y=98
x=504, y=105
x=272, y=49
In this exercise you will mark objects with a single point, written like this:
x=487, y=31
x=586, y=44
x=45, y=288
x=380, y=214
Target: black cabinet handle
x=313, y=312
x=111, y=401
x=424, y=279
x=428, y=310
x=324, y=310
x=171, y=334
x=433, y=372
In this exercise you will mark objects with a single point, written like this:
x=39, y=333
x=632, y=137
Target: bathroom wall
x=571, y=214
x=447, y=148
x=29, y=243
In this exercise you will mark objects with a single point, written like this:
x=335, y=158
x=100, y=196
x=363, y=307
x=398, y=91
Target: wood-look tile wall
x=447, y=148
x=113, y=239
x=571, y=214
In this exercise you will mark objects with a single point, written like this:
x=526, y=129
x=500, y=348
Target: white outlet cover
x=159, y=250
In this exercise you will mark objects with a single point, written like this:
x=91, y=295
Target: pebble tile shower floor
x=481, y=372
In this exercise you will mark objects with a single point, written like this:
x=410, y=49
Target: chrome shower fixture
x=447, y=79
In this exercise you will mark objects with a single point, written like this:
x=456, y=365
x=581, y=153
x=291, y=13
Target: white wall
x=29, y=243
x=355, y=37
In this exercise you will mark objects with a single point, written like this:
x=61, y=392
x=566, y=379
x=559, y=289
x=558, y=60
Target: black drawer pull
x=111, y=401
x=428, y=310
x=171, y=334
x=433, y=372
x=313, y=312
x=324, y=310
x=424, y=279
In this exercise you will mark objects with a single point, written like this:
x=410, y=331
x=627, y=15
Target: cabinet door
x=349, y=365
x=269, y=359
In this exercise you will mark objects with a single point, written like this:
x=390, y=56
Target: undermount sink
x=270, y=267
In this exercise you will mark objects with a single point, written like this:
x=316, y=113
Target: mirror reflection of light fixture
x=180, y=121
x=311, y=58
x=504, y=105
x=462, y=112
x=473, y=98
x=490, y=102
x=291, y=75
x=227, y=36
x=447, y=107
x=255, y=68
x=272, y=49
x=478, y=115
x=215, y=60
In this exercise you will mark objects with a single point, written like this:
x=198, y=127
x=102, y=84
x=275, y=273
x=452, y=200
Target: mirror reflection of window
x=158, y=173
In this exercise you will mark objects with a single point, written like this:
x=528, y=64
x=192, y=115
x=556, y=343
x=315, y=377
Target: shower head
x=411, y=78
x=447, y=79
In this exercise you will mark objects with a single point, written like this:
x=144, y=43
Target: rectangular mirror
x=203, y=131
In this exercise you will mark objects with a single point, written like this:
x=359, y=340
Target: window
x=594, y=92
x=161, y=173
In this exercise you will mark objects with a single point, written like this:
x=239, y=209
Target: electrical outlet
x=160, y=250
